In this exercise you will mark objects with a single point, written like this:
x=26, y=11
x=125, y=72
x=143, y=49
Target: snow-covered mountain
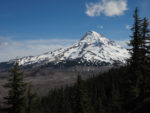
x=93, y=49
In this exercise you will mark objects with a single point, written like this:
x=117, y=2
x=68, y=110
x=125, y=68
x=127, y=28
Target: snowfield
x=93, y=47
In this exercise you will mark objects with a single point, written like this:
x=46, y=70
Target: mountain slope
x=93, y=49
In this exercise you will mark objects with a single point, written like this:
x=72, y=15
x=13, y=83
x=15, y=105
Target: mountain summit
x=92, y=49
x=92, y=36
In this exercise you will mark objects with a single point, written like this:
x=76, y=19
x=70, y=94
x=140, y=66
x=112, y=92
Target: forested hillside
x=123, y=90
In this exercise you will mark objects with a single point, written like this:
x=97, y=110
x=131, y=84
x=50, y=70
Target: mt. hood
x=92, y=49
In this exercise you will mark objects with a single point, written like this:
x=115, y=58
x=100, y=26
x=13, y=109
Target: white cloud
x=11, y=49
x=100, y=27
x=93, y=9
x=107, y=7
x=128, y=27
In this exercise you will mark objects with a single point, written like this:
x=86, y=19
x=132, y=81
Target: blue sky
x=31, y=27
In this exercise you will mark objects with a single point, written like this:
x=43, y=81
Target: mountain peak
x=92, y=37
x=92, y=32
x=92, y=48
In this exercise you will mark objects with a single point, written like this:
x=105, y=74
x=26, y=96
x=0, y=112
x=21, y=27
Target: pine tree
x=145, y=86
x=146, y=41
x=31, y=100
x=101, y=108
x=16, y=91
x=135, y=42
x=137, y=54
x=139, y=59
x=81, y=98
x=63, y=102
x=114, y=99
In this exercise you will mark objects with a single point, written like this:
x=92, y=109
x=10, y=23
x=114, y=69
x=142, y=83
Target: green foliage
x=81, y=98
x=121, y=90
x=16, y=91
x=135, y=41
x=31, y=101
x=146, y=41
x=111, y=92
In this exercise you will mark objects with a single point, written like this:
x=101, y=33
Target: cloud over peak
x=107, y=7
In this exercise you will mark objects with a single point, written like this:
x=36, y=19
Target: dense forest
x=122, y=90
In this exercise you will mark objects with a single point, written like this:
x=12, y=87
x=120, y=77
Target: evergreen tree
x=137, y=52
x=16, y=91
x=139, y=60
x=135, y=42
x=145, y=86
x=63, y=106
x=146, y=41
x=31, y=100
x=81, y=98
x=101, y=108
x=114, y=99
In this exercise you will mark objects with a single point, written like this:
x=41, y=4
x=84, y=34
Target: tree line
x=122, y=90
